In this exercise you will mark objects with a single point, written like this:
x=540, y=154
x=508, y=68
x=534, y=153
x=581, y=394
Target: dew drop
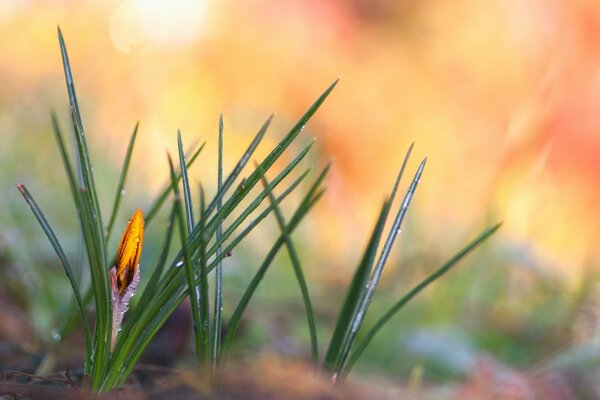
x=56, y=336
x=179, y=264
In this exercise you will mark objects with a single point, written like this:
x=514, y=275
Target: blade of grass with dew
x=362, y=345
x=163, y=194
x=383, y=256
x=121, y=184
x=295, y=259
x=235, y=319
x=240, y=164
x=187, y=265
x=39, y=215
x=187, y=195
x=357, y=286
x=203, y=284
x=91, y=221
x=217, y=313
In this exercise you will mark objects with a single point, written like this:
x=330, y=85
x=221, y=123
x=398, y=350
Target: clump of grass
x=206, y=237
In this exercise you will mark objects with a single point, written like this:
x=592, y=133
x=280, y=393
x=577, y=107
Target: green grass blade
x=235, y=319
x=187, y=265
x=91, y=221
x=203, y=284
x=121, y=184
x=187, y=195
x=362, y=345
x=240, y=164
x=217, y=313
x=163, y=194
x=73, y=185
x=355, y=292
x=383, y=256
x=295, y=259
x=37, y=212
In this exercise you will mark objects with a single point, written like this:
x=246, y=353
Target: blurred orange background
x=502, y=96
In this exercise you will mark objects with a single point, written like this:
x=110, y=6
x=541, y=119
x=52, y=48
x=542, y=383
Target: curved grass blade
x=362, y=345
x=92, y=227
x=203, y=284
x=234, y=322
x=217, y=313
x=355, y=293
x=187, y=195
x=187, y=265
x=295, y=259
x=121, y=184
x=383, y=256
x=39, y=215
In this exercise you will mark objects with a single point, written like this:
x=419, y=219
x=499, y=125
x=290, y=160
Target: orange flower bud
x=130, y=249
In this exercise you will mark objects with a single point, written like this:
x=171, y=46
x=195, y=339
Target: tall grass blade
x=121, y=185
x=295, y=259
x=383, y=256
x=91, y=222
x=37, y=212
x=217, y=313
x=203, y=285
x=187, y=265
x=364, y=342
x=355, y=293
x=187, y=194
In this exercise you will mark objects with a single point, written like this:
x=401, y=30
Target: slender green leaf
x=351, y=302
x=121, y=184
x=203, y=284
x=187, y=194
x=37, y=212
x=187, y=265
x=383, y=256
x=299, y=274
x=217, y=313
x=91, y=221
x=362, y=345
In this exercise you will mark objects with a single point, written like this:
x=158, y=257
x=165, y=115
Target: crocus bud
x=125, y=274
